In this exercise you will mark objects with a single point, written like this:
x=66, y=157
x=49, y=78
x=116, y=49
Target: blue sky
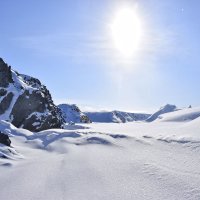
x=67, y=44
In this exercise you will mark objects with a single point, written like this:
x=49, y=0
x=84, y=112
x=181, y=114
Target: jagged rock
x=5, y=74
x=2, y=92
x=4, y=139
x=5, y=103
x=72, y=113
x=28, y=104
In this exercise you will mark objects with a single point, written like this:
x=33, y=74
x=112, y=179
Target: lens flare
x=126, y=31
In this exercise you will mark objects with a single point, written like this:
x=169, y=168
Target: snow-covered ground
x=136, y=160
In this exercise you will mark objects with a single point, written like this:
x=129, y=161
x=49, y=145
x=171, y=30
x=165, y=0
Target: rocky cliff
x=25, y=102
x=72, y=113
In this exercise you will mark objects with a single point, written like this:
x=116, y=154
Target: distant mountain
x=72, y=113
x=165, y=109
x=116, y=116
x=186, y=114
x=25, y=102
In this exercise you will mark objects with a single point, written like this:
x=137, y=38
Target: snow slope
x=186, y=114
x=136, y=160
x=165, y=109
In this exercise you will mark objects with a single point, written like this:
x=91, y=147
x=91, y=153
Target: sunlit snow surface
x=137, y=160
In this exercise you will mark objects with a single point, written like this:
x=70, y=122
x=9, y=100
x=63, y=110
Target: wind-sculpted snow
x=9, y=153
x=136, y=160
x=73, y=134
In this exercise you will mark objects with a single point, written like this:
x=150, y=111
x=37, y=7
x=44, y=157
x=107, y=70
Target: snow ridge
x=165, y=109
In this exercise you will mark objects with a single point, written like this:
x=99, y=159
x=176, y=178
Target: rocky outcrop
x=72, y=113
x=5, y=103
x=25, y=102
x=2, y=92
x=4, y=139
x=5, y=74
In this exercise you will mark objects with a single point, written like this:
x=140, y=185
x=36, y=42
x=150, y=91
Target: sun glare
x=126, y=31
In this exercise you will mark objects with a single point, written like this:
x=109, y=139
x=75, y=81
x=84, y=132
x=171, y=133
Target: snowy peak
x=72, y=113
x=25, y=102
x=165, y=109
x=184, y=115
x=33, y=82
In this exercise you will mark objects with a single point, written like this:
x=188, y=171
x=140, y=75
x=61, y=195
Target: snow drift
x=135, y=160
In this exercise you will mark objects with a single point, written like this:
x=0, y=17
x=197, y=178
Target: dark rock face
x=27, y=108
x=85, y=119
x=4, y=139
x=5, y=103
x=5, y=74
x=33, y=107
x=2, y=92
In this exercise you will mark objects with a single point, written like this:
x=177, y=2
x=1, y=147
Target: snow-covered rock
x=116, y=116
x=25, y=102
x=187, y=114
x=165, y=109
x=72, y=113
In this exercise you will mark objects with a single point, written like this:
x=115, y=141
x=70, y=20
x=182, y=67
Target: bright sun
x=126, y=31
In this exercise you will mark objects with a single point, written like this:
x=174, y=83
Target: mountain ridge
x=25, y=102
x=116, y=116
